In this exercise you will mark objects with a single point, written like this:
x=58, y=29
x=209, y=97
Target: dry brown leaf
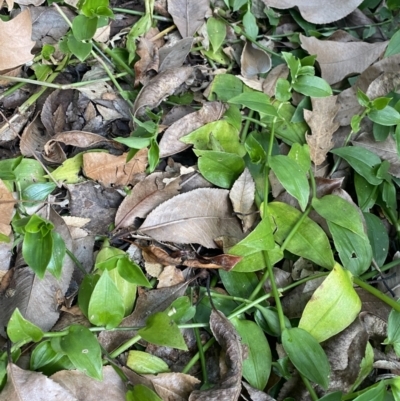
x=318, y=11
x=145, y=196
x=338, y=60
x=197, y=216
x=170, y=276
x=230, y=386
x=10, y=129
x=174, y=56
x=322, y=124
x=33, y=138
x=173, y=386
x=16, y=48
x=170, y=144
x=161, y=86
x=7, y=203
x=24, y=385
x=384, y=84
x=269, y=84
x=254, y=61
x=112, y=170
x=257, y=395
x=188, y=15
x=149, y=60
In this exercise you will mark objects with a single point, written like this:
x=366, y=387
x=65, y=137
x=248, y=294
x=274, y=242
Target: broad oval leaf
x=312, y=86
x=323, y=315
x=20, y=329
x=256, y=101
x=216, y=30
x=306, y=355
x=144, y=363
x=387, y=116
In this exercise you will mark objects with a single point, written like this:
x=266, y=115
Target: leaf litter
x=155, y=176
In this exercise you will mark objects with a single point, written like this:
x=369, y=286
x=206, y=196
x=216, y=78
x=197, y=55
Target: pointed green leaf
x=57, y=257
x=312, y=86
x=256, y=101
x=181, y=310
x=144, y=363
x=126, y=289
x=378, y=238
x=83, y=27
x=323, y=315
x=131, y=272
x=79, y=49
x=307, y=355
x=374, y=394
x=387, y=116
x=37, y=250
x=85, y=292
x=141, y=393
x=20, y=329
x=216, y=30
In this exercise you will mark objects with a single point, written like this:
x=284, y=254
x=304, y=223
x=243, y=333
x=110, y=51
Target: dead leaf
x=326, y=186
x=16, y=49
x=188, y=15
x=230, y=386
x=175, y=55
x=317, y=11
x=170, y=144
x=322, y=124
x=145, y=196
x=7, y=203
x=385, y=83
x=149, y=60
x=269, y=84
x=254, y=61
x=242, y=198
x=33, y=138
x=257, y=395
x=339, y=60
x=161, y=86
x=170, y=276
x=112, y=170
x=173, y=386
x=208, y=217
x=33, y=386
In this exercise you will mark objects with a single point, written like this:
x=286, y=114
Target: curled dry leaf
x=317, y=11
x=254, y=61
x=145, y=196
x=188, y=15
x=7, y=202
x=112, y=170
x=161, y=86
x=15, y=41
x=338, y=60
x=322, y=124
x=170, y=144
x=230, y=386
x=197, y=216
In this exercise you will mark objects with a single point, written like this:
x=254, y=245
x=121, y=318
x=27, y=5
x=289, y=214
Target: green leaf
x=378, y=238
x=216, y=30
x=301, y=155
x=250, y=25
x=307, y=355
x=312, y=86
x=181, y=310
x=153, y=155
x=106, y=306
x=366, y=192
x=394, y=45
x=126, y=289
x=309, y=241
x=225, y=87
x=85, y=292
x=28, y=172
x=83, y=349
x=39, y=191
x=293, y=63
x=221, y=169
x=374, y=394
x=323, y=315
x=255, y=150
x=283, y=90
x=141, y=393
x=257, y=365
x=83, y=27
x=144, y=363
x=366, y=366
x=131, y=272
x=362, y=160
x=292, y=177
x=162, y=330
x=69, y=171
x=20, y=329
x=387, y=116
x=57, y=257
x=239, y=284
x=37, y=250
x=79, y=49
x=267, y=318
x=256, y=101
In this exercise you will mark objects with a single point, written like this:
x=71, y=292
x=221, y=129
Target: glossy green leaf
x=144, y=363
x=257, y=365
x=374, y=394
x=28, y=172
x=181, y=310
x=82, y=348
x=126, y=289
x=20, y=329
x=292, y=62
x=162, y=330
x=307, y=355
x=393, y=330
x=57, y=257
x=85, y=292
x=387, y=116
x=234, y=117
x=366, y=366
x=221, y=169
x=131, y=272
x=106, y=306
x=39, y=191
x=141, y=393
x=312, y=86
x=37, y=251
x=83, y=27
x=362, y=160
x=283, y=90
x=69, y=171
x=378, y=238
x=79, y=49
x=216, y=30
x=255, y=150
x=292, y=177
x=301, y=155
x=323, y=315
x=394, y=45
x=366, y=192
x=239, y=284
x=309, y=241
x=224, y=87
x=250, y=25
x=267, y=318
x=256, y=101
x=336, y=396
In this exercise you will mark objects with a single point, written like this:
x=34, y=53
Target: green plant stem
x=76, y=261
x=253, y=120
x=309, y=387
x=141, y=13
x=245, y=130
x=196, y=357
x=125, y=346
x=117, y=59
x=201, y=356
x=367, y=276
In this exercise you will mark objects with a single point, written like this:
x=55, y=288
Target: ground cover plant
x=198, y=200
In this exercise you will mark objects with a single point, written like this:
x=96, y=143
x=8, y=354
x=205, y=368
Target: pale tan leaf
x=173, y=386
x=188, y=15
x=322, y=124
x=269, y=84
x=197, y=216
x=318, y=11
x=7, y=203
x=33, y=138
x=149, y=60
x=80, y=139
x=24, y=385
x=385, y=83
x=145, y=196
x=170, y=275
x=113, y=170
x=229, y=340
x=338, y=60
x=16, y=48
x=170, y=143
x=174, y=56
x=254, y=61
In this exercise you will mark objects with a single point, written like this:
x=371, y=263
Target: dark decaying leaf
x=197, y=216
x=80, y=139
x=188, y=15
x=161, y=86
x=230, y=386
x=257, y=395
x=170, y=144
x=174, y=56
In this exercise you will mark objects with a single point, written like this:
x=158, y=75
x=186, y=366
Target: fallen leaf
x=338, y=60
x=112, y=170
x=230, y=386
x=175, y=55
x=16, y=49
x=317, y=11
x=382, y=85
x=33, y=138
x=257, y=395
x=7, y=203
x=33, y=386
x=188, y=15
x=322, y=124
x=254, y=61
x=173, y=386
x=170, y=144
x=145, y=196
x=208, y=217
x=149, y=60
x=269, y=84
x=170, y=276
